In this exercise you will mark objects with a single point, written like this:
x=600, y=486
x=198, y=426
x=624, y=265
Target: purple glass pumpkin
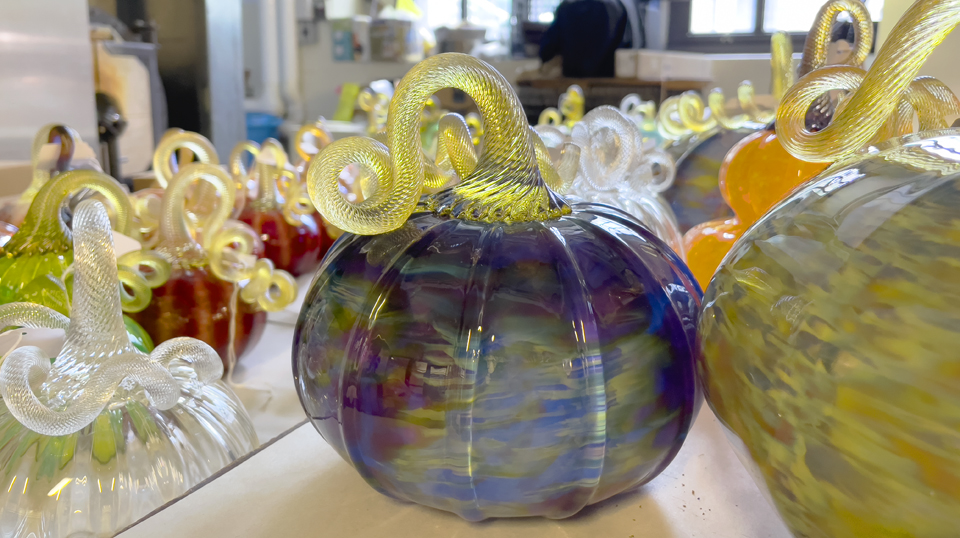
x=496, y=369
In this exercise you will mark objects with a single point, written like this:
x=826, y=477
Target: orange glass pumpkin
x=755, y=175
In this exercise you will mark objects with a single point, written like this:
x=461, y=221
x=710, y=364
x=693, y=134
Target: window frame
x=680, y=38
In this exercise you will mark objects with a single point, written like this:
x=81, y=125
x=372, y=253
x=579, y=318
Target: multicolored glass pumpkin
x=292, y=237
x=221, y=300
x=35, y=262
x=758, y=172
x=491, y=351
x=828, y=342
x=103, y=434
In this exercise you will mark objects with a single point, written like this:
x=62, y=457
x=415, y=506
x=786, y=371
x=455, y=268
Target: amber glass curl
x=506, y=185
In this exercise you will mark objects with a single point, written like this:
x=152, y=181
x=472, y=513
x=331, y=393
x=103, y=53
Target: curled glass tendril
x=166, y=158
x=135, y=292
x=673, y=125
x=278, y=185
x=43, y=228
x=68, y=139
x=557, y=157
x=874, y=97
x=97, y=356
x=505, y=186
x=377, y=106
x=146, y=214
x=175, y=149
x=232, y=259
x=305, y=147
x=220, y=235
x=570, y=109
x=615, y=169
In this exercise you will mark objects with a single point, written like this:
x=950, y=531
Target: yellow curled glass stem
x=135, y=294
x=475, y=124
x=454, y=146
x=231, y=252
x=668, y=120
x=320, y=134
x=781, y=64
x=558, y=174
x=747, y=98
x=296, y=203
x=815, y=48
x=718, y=108
x=933, y=102
x=376, y=106
x=176, y=242
x=171, y=143
x=571, y=105
x=271, y=162
x=550, y=116
x=929, y=100
x=238, y=159
x=146, y=211
x=68, y=138
x=44, y=229
x=644, y=113
x=693, y=113
x=924, y=26
x=506, y=185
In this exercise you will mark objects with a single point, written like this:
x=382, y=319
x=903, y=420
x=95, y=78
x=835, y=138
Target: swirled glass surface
x=829, y=345
x=499, y=370
x=695, y=196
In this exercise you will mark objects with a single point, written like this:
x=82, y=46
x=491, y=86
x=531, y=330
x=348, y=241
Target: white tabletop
x=298, y=486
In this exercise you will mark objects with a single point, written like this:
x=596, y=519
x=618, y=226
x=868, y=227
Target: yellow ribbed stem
x=877, y=98
x=506, y=185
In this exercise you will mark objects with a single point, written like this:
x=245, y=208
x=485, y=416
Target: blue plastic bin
x=261, y=126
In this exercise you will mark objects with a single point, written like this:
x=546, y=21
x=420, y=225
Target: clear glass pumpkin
x=615, y=169
x=103, y=434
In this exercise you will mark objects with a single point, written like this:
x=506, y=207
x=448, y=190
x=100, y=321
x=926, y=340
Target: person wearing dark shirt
x=586, y=34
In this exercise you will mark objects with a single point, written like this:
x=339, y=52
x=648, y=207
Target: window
x=542, y=10
x=487, y=13
x=743, y=25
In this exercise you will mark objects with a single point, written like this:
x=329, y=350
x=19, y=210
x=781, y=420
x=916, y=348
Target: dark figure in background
x=586, y=33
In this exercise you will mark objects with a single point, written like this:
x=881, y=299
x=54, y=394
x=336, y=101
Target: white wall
x=942, y=63
x=46, y=72
x=321, y=76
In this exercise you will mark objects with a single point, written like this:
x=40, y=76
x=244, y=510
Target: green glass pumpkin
x=34, y=263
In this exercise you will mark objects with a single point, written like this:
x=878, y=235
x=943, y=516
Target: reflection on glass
x=724, y=16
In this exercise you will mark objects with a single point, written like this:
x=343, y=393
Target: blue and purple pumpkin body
x=501, y=370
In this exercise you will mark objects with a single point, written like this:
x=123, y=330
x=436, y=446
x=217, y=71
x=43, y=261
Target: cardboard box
x=663, y=65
